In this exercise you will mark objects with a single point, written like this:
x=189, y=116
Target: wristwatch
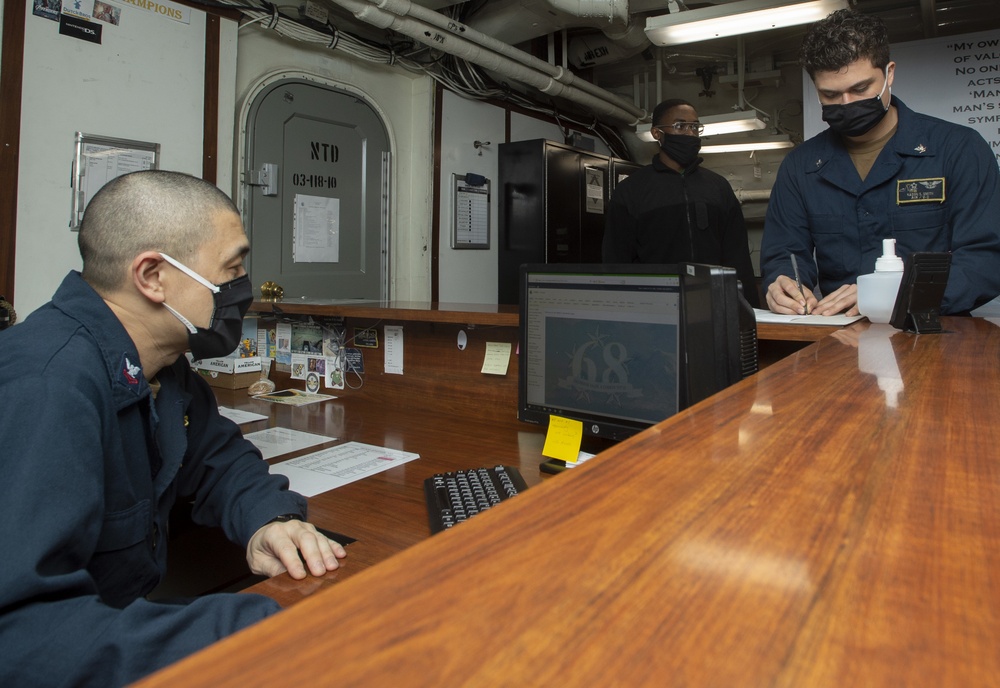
x=285, y=517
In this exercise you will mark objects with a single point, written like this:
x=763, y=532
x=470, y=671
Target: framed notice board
x=471, y=219
x=99, y=159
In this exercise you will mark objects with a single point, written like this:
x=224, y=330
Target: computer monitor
x=608, y=344
x=600, y=344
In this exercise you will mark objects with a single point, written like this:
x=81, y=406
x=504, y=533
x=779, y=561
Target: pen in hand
x=798, y=283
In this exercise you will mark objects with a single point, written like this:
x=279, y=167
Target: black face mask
x=223, y=334
x=226, y=329
x=681, y=148
x=859, y=117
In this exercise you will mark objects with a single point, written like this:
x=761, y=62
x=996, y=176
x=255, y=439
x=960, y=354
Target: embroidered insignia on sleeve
x=929, y=190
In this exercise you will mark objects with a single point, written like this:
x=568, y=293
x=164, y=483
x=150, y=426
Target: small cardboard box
x=229, y=372
x=228, y=364
x=229, y=380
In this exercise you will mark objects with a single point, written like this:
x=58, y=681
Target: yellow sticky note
x=497, y=358
x=562, y=441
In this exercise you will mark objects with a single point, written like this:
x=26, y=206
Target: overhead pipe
x=741, y=57
x=659, y=76
x=466, y=42
x=751, y=195
x=614, y=10
x=613, y=46
x=406, y=8
x=928, y=18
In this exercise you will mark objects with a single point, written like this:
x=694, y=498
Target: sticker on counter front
x=394, y=349
x=367, y=338
x=354, y=361
x=80, y=28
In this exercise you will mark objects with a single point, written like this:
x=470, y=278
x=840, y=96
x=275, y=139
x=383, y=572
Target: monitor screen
x=600, y=344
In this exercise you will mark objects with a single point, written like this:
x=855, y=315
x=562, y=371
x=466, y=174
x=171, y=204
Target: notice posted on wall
x=472, y=214
x=316, y=229
x=595, y=189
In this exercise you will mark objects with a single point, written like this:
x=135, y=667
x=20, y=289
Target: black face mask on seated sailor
x=231, y=301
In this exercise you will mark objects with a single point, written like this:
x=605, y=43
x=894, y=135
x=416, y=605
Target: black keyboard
x=456, y=496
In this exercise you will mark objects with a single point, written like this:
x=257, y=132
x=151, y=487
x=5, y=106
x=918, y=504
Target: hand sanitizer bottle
x=877, y=291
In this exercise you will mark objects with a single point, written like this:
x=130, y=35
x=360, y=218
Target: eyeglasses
x=695, y=128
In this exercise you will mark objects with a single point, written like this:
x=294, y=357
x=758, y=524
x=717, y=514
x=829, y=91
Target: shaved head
x=151, y=210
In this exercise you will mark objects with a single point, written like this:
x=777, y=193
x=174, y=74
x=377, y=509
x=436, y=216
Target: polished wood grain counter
x=476, y=314
x=786, y=332
x=422, y=311
x=832, y=521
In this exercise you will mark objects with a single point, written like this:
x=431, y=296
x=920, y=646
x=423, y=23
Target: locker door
x=316, y=192
x=576, y=195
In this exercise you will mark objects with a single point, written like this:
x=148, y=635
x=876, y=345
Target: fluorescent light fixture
x=757, y=143
x=745, y=120
x=736, y=18
x=729, y=123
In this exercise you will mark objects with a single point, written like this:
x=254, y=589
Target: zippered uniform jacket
x=658, y=215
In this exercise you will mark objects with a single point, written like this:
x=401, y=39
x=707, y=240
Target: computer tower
x=719, y=330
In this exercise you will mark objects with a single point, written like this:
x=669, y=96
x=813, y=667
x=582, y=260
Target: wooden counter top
x=423, y=311
x=831, y=521
x=793, y=333
x=475, y=314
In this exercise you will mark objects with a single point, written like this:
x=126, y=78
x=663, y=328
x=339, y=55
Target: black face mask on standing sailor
x=680, y=146
x=859, y=117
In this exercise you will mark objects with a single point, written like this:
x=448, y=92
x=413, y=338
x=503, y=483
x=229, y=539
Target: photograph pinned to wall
x=267, y=341
x=316, y=364
x=107, y=12
x=307, y=338
x=84, y=9
x=283, y=348
x=47, y=9
x=248, y=342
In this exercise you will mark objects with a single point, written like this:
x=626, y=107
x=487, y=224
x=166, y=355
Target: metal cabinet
x=553, y=201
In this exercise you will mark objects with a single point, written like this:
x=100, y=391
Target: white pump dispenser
x=877, y=291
